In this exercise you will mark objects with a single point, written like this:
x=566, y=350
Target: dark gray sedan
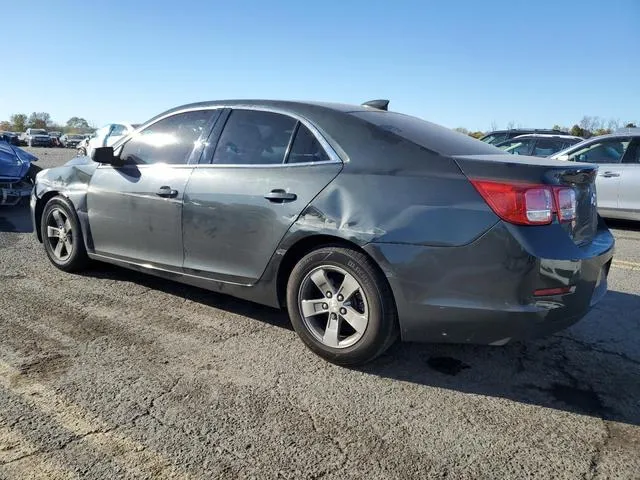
x=365, y=224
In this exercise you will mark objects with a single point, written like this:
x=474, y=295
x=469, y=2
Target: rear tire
x=341, y=306
x=62, y=237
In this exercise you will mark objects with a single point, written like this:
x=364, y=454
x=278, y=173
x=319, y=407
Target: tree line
x=19, y=122
x=585, y=128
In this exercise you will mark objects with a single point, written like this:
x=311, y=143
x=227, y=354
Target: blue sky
x=457, y=63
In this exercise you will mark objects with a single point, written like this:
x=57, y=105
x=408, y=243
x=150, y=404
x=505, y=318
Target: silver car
x=618, y=181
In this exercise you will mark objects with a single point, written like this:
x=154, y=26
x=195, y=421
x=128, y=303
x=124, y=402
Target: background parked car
x=10, y=138
x=618, y=180
x=499, y=136
x=105, y=136
x=55, y=138
x=538, y=144
x=17, y=174
x=71, y=140
x=36, y=137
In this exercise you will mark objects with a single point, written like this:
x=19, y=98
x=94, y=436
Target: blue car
x=17, y=173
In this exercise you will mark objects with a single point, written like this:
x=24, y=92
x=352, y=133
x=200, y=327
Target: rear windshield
x=429, y=135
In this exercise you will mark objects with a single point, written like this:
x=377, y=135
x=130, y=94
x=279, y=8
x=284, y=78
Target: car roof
x=548, y=135
x=526, y=130
x=290, y=105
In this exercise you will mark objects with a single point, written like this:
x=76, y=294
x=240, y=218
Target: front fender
x=71, y=181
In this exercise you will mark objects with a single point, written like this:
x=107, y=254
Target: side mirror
x=105, y=155
x=564, y=157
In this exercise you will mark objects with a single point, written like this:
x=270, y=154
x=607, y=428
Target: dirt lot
x=113, y=374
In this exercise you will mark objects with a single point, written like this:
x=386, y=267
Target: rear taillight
x=565, y=203
x=526, y=204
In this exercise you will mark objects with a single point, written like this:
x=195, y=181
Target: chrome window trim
x=333, y=155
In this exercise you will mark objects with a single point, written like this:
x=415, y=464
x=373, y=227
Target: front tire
x=341, y=306
x=62, y=237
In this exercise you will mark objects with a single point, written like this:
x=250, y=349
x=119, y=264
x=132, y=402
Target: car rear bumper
x=483, y=292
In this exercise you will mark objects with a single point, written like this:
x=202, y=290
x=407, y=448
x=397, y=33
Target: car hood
x=14, y=162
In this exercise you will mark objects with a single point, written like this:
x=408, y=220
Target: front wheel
x=61, y=235
x=341, y=306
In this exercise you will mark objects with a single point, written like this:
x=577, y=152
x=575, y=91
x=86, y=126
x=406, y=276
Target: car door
x=629, y=196
x=135, y=210
x=265, y=168
x=607, y=153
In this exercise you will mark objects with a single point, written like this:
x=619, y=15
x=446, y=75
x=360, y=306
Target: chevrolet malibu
x=363, y=223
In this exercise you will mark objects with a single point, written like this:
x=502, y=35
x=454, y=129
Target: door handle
x=610, y=174
x=167, y=192
x=279, y=195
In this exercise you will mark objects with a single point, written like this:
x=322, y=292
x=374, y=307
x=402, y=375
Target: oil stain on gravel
x=447, y=365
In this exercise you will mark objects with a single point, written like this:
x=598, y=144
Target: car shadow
x=16, y=218
x=587, y=369
x=271, y=316
x=623, y=224
x=583, y=370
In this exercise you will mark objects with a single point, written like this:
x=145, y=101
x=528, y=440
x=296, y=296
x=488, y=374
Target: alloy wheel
x=333, y=306
x=59, y=234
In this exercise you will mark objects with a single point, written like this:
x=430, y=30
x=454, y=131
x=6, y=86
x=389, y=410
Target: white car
x=105, y=136
x=618, y=182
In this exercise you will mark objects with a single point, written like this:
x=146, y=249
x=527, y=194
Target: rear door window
x=253, y=137
x=494, y=139
x=518, y=147
x=546, y=146
x=306, y=148
x=632, y=155
x=605, y=151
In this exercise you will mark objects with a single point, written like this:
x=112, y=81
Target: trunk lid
x=542, y=171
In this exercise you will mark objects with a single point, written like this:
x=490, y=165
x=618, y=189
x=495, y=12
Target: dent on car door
x=135, y=209
x=265, y=169
x=629, y=197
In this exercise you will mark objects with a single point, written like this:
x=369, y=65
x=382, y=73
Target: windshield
x=429, y=135
x=38, y=132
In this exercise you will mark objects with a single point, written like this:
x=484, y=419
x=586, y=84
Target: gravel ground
x=113, y=374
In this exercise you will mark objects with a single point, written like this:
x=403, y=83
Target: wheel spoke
x=67, y=246
x=356, y=319
x=349, y=286
x=330, y=337
x=53, y=232
x=58, y=217
x=319, y=277
x=312, y=307
x=67, y=226
x=58, y=250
